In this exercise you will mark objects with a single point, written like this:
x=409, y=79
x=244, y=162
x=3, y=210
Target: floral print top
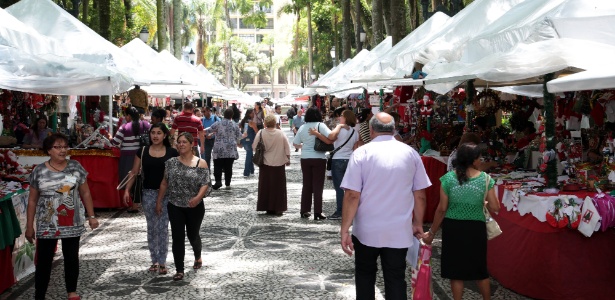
x=227, y=134
x=184, y=182
x=59, y=211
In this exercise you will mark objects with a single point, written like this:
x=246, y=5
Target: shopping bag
x=413, y=252
x=589, y=217
x=421, y=276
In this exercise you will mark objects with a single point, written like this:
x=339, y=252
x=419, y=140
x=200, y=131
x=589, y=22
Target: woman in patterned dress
x=152, y=158
x=460, y=212
x=185, y=183
x=224, y=152
x=58, y=193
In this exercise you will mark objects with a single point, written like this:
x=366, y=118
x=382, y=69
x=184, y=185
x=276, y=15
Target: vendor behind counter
x=38, y=132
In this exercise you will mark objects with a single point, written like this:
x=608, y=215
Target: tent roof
x=587, y=80
x=148, y=58
x=50, y=20
x=16, y=34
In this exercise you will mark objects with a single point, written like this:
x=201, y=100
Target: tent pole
x=111, y=115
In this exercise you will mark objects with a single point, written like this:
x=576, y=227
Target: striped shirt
x=187, y=122
x=128, y=142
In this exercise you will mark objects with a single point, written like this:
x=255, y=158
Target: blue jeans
x=247, y=145
x=338, y=169
x=209, y=146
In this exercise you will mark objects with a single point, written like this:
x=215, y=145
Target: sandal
x=75, y=298
x=178, y=276
x=153, y=268
x=162, y=270
x=197, y=265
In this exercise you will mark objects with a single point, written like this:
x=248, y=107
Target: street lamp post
x=144, y=34
x=362, y=36
x=191, y=56
x=271, y=67
x=333, y=55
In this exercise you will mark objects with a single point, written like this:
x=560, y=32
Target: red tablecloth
x=435, y=169
x=534, y=259
x=102, y=179
x=6, y=269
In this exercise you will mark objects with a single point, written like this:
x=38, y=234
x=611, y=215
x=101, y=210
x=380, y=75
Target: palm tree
x=346, y=29
x=203, y=12
x=396, y=21
x=104, y=13
x=377, y=22
x=177, y=21
x=310, y=42
x=160, y=24
x=227, y=48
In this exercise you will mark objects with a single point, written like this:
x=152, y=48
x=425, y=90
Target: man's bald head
x=382, y=124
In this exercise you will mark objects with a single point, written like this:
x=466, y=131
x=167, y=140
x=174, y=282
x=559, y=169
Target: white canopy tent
x=50, y=20
x=587, y=80
x=148, y=58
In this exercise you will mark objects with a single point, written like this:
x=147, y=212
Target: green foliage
x=248, y=62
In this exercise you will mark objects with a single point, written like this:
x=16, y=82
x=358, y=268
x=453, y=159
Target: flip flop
x=178, y=276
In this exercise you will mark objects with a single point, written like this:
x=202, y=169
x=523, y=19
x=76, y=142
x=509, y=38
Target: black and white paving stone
x=246, y=255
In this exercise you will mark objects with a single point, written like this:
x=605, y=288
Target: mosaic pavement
x=246, y=255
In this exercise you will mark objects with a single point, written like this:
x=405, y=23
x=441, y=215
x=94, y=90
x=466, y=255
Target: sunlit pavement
x=246, y=255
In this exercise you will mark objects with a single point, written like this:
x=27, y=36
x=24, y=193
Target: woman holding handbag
x=464, y=231
x=248, y=134
x=345, y=141
x=272, y=196
x=150, y=163
x=127, y=138
x=313, y=163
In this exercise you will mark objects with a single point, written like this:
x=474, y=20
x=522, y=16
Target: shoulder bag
x=493, y=229
x=330, y=158
x=136, y=192
x=259, y=152
x=321, y=146
x=143, y=137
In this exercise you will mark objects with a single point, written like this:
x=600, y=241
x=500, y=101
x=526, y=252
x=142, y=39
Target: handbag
x=321, y=146
x=493, y=229
x=259, y=152
x=421, y=275
x=143, y=138
x=136, y=192
x=330, y=158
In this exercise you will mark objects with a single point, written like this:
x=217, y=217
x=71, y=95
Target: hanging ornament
x=425, y=106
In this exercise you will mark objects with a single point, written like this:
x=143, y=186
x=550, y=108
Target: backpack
x=290, y=113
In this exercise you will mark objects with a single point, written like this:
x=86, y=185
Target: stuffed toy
x=425, y=106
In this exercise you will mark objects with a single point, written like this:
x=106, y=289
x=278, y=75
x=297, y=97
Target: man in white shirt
x=384, y=187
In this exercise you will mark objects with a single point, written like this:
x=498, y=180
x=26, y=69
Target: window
x=264, y=8
x=247, y=79
x=269, y=23
x=259, y=38
x=247, y=37
x=282, y=76
x=263, y=78
x=243, y=25
x=282, y=94
x=233, y=23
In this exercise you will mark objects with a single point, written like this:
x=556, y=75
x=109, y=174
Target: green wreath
x=490, y=100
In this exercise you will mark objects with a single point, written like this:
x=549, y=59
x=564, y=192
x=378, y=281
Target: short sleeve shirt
x=227, y=134
x=466, y=201
x=188, y=123
x=59, y=210
x=386, y=172
x=304, y=137
x=184, y=182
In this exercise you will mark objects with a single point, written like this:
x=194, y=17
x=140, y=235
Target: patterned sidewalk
x=246, y=255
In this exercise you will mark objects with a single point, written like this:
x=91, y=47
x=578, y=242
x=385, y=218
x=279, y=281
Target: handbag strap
x=141, y=167
x=485, y=210
x=344, y=144
x=260, y=141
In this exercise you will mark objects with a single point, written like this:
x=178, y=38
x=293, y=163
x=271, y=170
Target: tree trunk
x=161, y=25
x=403, y=20
x=85, y=12
x=377, y=22
x=75, y=10
x=346, y=30
x=414, y=15
x=128, y=14
x=395, y=20
x=425, y=7
x=357, y=35
x=386, y=16
x=296, y=41
x=104, y=18
x=227, y=48
x=310, y=42
x=177, y=25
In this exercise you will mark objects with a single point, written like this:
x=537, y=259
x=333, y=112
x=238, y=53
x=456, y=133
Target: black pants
x=223, y=165
x=393, y=268
x=185, y=220
x=45, y=250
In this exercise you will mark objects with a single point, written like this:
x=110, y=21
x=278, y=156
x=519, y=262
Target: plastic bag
x=421, y=276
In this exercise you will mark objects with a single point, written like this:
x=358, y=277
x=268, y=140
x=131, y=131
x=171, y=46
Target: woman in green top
x=460, y=212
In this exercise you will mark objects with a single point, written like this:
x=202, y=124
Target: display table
x=535, y=259
x=101, y=165
x=435, y=169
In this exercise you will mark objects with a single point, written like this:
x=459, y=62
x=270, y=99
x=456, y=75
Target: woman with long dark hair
x=127, y=138
x=249, y=130
x=259, y=116
x=152, y=158
x=236, y=113
x=460, y=212
x=38, y=133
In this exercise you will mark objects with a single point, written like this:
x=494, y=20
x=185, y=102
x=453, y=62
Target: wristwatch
x=92, y=217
